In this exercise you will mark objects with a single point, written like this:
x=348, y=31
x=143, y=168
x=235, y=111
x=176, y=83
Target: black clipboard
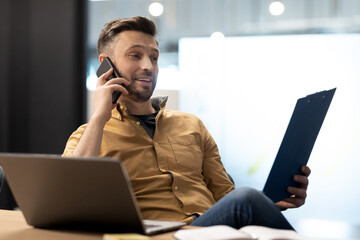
x=297, y=144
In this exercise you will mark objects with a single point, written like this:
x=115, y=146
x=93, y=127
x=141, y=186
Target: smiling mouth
x=143, y=79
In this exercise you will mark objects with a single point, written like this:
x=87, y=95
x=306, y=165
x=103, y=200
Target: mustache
x=147, y=74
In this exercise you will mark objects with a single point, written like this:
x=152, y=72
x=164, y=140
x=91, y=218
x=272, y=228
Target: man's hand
x=103, y=95
x=90, y=142
x=298, y=196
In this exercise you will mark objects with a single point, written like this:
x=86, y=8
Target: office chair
x=231, y=179
x=2, y=179
x=7, y=200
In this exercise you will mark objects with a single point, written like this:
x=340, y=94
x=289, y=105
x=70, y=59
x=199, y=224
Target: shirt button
x=176, y=188
x=156, y=144
x=121, y=107
x=138, y=123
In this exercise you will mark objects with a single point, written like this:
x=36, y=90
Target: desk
x=14, y=227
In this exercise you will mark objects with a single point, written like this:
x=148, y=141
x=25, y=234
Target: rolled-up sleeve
x=73, y=141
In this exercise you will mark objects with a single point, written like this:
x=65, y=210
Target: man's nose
x=147, y=64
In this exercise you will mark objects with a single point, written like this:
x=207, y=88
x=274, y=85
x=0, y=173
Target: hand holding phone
x=104, y=67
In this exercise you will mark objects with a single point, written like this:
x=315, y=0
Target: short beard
x=140, y=96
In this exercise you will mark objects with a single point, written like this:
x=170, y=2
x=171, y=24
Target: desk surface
x=14, y=227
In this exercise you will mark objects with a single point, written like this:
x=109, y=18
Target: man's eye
x=154, y=59
x=134, y=55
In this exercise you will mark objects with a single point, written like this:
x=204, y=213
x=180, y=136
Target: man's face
x=135, y=56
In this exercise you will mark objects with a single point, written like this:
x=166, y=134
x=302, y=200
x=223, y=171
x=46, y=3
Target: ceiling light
x=217, y=36
x=156, y=9
x=276, y=8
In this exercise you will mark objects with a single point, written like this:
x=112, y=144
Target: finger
x=118, y=81
x=297, y=192
x=119, y=88
x=305, y=170
x=291, y=202
x=286, y=204
x=103, y=78
x=302, y=180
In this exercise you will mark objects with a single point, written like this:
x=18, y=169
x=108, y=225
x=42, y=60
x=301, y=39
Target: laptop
x=90, y=194
x=297, y=144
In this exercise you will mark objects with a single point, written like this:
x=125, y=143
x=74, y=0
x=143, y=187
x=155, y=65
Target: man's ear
x=101, y=57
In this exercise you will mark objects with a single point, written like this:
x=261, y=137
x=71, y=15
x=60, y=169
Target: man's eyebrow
x=142, y=46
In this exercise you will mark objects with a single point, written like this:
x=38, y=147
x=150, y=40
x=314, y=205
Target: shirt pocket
x=187, y=151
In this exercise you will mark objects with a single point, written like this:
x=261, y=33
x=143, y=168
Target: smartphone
x=104, y=67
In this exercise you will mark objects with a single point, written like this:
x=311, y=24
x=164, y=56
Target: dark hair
x=114, y=27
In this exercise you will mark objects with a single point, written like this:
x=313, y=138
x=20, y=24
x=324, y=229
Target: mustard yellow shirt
x=176, y=174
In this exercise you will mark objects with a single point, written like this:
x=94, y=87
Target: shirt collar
x=121, y=110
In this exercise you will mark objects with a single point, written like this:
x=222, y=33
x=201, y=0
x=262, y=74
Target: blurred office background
x=240, y=65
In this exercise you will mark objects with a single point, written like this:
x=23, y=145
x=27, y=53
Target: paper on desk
x=219, y=232
x=125, y=236
x=222, y=232
x=266, y=233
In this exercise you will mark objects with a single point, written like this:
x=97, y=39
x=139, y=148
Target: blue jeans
x=242, y=207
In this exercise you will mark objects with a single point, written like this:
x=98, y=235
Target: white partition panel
x=245, y=88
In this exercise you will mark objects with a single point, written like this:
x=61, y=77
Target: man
x=172, y=160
